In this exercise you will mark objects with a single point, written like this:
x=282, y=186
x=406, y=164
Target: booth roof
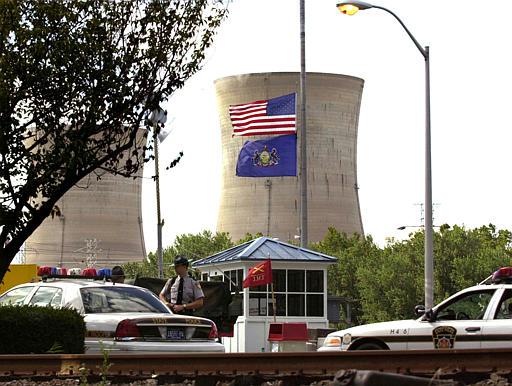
x=263, y=248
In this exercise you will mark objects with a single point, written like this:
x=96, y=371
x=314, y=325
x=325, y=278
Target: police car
x=476, y=317
x=120, y=317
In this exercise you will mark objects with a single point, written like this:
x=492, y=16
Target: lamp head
x=351, y=7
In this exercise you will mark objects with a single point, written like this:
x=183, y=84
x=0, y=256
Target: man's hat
x=117, y=271
x=180, y=260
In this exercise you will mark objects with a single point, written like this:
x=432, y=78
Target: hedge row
x=38, y=330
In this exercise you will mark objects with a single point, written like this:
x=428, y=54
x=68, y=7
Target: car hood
x=377, y=329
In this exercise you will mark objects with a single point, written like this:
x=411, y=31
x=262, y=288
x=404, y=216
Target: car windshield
x=120, y=299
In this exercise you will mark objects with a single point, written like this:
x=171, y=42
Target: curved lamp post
x=350, y=8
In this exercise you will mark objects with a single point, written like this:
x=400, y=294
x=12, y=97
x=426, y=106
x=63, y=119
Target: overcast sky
x=471, y=82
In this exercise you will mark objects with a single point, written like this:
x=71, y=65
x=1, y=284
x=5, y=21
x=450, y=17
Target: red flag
x=259, y=274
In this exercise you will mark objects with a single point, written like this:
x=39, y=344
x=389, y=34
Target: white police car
x=120, y=317
x=476, y=317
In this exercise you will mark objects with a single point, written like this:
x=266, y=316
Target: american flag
x=265, y=117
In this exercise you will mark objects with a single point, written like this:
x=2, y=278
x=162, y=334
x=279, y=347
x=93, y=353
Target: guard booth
x=299, y=278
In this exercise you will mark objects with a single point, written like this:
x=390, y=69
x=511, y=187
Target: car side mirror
x=419, y=310
x=430, y=316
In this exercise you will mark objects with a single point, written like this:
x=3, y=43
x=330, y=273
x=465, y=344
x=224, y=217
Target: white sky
x=470, y=96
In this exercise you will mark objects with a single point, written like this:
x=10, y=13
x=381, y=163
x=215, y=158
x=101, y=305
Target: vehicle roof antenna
x=486, y=280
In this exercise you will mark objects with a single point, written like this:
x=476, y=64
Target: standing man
x=182, y=294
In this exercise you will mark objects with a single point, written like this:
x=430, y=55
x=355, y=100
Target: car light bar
x=46, y=271
x=502, y=275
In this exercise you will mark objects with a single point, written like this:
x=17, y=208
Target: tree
x=469, y=256
x=192, y=246
x=199, y=246
x=386, y=283
x=249, y=237
x=462, y=257
x=77, y=81
x=391, y=284
x=351, y=253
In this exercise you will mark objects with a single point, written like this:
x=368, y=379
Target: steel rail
x=301, y=363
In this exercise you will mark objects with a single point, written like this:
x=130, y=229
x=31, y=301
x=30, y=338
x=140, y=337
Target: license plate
x=175, y=334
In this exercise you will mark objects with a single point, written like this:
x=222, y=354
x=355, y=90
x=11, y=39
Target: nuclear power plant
x=100, y=224
x=271, y=205
x=100, y=221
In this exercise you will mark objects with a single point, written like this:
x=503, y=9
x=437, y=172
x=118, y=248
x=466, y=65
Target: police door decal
x=444, y=336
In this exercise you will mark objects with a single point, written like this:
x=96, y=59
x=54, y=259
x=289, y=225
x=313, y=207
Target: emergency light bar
x=75, y=272
x=502, y=275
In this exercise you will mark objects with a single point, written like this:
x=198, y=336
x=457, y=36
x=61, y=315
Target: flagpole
x=272, y=289
x=303, y=150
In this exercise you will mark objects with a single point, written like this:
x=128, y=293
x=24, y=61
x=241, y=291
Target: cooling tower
x=272, y=205
x=100, y=225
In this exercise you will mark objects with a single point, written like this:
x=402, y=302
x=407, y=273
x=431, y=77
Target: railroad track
x=311, y=364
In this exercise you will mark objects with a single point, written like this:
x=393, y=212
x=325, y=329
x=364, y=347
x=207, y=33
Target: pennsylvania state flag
x=271, y=157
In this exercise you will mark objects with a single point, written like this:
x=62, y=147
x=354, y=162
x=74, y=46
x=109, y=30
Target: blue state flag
x=271, y=157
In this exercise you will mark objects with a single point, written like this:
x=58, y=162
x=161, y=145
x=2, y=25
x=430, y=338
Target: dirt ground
x=494, y=380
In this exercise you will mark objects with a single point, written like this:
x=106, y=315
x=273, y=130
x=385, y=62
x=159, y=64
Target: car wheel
x=370, y=346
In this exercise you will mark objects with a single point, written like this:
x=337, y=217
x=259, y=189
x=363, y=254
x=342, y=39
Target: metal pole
x=429, y=248
x=429, y=244
x=159, y=220
x=303, y=147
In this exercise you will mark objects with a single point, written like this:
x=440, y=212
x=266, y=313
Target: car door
x=497, y=333
x=458, y=323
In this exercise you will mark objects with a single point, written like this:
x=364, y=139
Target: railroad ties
x=315, y=365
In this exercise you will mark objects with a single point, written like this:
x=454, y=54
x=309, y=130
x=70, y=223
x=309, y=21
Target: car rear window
x=119, y=299
x=16, y=296
x=46, y=296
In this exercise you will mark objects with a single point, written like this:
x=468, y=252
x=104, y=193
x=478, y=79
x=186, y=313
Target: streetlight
x=350, y=8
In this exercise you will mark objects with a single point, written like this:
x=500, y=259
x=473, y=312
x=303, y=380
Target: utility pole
x=159, y=223
x=156, y=117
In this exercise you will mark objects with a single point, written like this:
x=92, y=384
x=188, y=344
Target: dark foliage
x=39, y=330
x=77, y=82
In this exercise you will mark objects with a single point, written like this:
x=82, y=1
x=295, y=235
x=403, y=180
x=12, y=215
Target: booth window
x=296, y=304
x=315, y=305
x=279, y=280
x=295, y=280
x=315, y=281
x=296, y=292
x=234, y=278
x=258, y=304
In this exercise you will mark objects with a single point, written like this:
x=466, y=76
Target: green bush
x=39, y=330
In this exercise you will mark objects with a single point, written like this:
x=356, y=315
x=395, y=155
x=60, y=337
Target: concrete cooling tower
x=100, y=225
x=272, y=205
